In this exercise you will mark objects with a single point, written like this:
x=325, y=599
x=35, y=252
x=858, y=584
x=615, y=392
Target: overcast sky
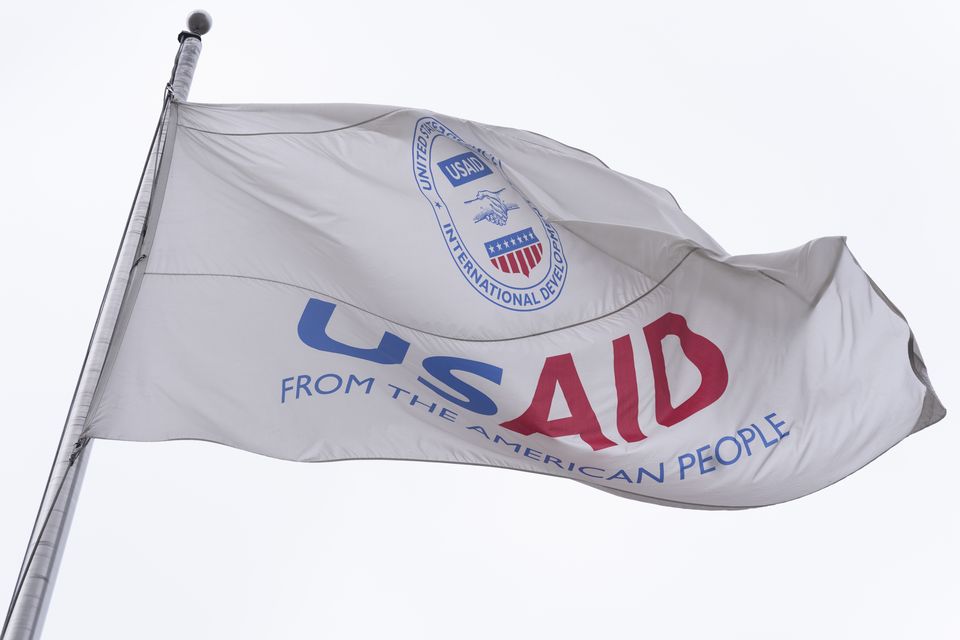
x=772, y=125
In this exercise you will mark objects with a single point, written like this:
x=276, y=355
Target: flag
x=334, y=282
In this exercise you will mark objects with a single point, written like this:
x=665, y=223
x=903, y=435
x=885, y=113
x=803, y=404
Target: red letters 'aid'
x=561, y=371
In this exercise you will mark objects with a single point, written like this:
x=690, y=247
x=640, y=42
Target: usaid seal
x=498, y=240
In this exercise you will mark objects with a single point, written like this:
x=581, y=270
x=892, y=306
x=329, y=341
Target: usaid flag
x=338, y=282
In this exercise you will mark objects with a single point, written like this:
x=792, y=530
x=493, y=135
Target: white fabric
x=274, y=215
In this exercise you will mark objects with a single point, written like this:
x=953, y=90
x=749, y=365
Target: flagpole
x=34, y=585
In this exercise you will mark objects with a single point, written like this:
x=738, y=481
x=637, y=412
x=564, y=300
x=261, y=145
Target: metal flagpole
x=34, y=586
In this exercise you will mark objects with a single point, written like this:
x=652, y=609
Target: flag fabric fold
x=331, y=282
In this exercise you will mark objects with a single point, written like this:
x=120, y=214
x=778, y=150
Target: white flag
x=351, y=281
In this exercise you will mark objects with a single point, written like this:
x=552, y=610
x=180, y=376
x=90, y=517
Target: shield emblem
x=517, y=252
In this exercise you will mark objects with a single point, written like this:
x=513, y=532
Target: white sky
x=771, y=124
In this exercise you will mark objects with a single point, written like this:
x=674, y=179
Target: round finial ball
x=199, y=22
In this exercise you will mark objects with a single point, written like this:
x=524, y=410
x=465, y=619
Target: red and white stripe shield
x=517, y=252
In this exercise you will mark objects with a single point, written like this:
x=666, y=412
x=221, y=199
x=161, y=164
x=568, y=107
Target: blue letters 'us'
x=313, y=331
x=392, y=349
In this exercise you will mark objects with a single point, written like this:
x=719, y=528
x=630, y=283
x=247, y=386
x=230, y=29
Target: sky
x=771, y=124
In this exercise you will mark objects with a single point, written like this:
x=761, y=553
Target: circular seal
x=498, y=240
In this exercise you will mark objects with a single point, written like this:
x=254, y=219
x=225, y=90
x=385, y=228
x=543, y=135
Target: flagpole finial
x=199, y=22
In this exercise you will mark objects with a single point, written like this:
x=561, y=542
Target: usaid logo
x=498, y=240
x=464, y=168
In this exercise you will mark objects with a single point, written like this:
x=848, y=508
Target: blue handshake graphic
x=497, y=210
